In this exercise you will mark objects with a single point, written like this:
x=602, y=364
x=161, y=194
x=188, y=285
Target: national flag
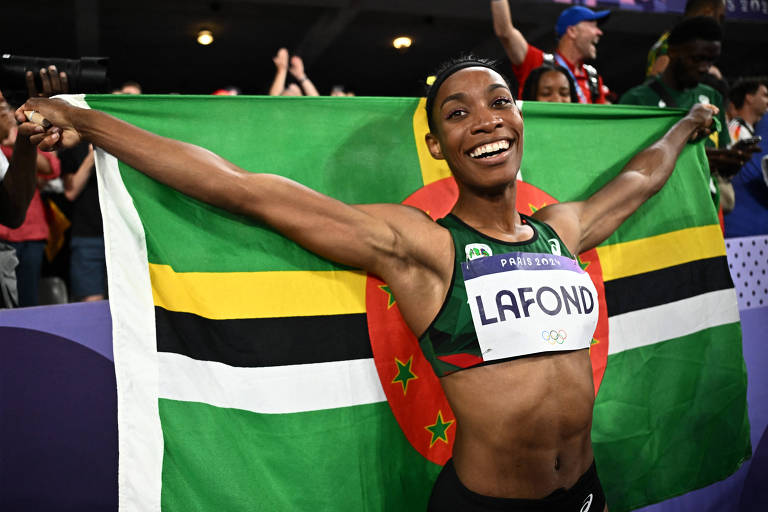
x=254, y=375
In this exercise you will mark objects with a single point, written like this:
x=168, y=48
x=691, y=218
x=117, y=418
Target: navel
x=557, y=463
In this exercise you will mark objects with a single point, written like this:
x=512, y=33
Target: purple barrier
x=58, y=429
x=58, y=425
x=745, y=490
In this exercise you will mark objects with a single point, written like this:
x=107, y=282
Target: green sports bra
x=509, y=299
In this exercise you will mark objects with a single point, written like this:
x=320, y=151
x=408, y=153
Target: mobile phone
x=748, y=142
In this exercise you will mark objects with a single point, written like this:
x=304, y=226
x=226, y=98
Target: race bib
x=525, y=303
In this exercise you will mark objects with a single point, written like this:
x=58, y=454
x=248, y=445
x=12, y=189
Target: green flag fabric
x=254, y=375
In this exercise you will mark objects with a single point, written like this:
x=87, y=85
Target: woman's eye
x=455, y=113
x=503, y=101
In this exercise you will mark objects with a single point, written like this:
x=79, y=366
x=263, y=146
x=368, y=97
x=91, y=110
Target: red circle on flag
x=411, y=386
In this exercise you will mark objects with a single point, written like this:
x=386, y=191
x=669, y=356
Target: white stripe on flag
x=270, y=390
x=672, y=320
x=140, y=437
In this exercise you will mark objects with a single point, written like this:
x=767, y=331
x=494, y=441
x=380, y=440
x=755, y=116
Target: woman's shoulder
x=563, y=220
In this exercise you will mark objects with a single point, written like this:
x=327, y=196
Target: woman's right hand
x=60, y=134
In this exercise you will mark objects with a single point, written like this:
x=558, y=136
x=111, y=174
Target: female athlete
x=479, y=287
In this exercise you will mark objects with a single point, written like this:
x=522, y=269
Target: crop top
x=509, y=299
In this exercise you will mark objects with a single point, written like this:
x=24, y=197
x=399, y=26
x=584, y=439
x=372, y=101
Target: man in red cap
x=577, y=37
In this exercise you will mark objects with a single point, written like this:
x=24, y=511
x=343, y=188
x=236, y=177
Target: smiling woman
x=481, y=287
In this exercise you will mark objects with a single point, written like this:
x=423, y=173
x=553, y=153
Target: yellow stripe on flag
x=228, y=295
x=431, y=170
x=661, y=251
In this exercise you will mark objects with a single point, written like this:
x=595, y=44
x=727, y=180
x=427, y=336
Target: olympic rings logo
x=554, y=337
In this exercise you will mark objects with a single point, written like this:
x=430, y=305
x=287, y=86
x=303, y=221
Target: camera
x=85, y=75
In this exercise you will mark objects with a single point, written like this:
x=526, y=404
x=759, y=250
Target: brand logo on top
x=475, y=251
x=587, y=503
x=554, y=246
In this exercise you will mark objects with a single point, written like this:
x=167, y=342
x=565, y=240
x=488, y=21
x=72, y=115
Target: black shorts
x=449, y=494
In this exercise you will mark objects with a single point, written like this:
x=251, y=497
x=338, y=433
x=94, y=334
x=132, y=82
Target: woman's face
x=479, y=129
x=553, y=87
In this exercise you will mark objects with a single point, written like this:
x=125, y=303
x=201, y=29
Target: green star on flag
x=404, y=373
x=388, y=291
x=583, y=264
x=439, y=429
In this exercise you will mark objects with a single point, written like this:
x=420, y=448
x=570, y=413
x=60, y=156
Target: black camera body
x=85, y=75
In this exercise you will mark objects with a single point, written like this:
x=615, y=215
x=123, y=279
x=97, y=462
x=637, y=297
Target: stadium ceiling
x=343, y=42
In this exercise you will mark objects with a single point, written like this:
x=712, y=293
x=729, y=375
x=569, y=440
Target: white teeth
x=489, y=148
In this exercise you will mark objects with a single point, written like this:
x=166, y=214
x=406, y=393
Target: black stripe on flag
x=259, y=342
x=667, y=285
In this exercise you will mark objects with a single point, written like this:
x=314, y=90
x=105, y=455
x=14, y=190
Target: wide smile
x=491, y=152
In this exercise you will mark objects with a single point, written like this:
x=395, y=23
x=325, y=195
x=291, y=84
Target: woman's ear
x=434, y=146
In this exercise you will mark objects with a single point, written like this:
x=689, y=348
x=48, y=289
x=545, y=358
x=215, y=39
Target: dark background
x=345, y=42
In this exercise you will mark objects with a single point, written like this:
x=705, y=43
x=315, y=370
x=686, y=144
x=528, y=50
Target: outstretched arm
x=511, y=39
x=584, y=224
x=374, y=239
x=398, y=243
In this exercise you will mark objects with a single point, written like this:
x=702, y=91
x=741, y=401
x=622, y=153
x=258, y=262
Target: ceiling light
x=402, y=42
x=204, y=37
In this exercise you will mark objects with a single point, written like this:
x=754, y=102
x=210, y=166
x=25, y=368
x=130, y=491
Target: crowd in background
x=54, y=252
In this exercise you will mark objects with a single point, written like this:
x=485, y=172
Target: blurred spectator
x=750, y=215
x=577, y=34
x=87, y=261
x=28, y=239
x=17, y=187
x=15, y=194
x=693, y=46
x=294, y=64
x=230, y=90
x=297, y=70
x=552, y=83
x=87, y=271
x=130, y=87
x=749, y=97
x=338, y=90
x=292, y=90
x=281, y=72
x=657, y=56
